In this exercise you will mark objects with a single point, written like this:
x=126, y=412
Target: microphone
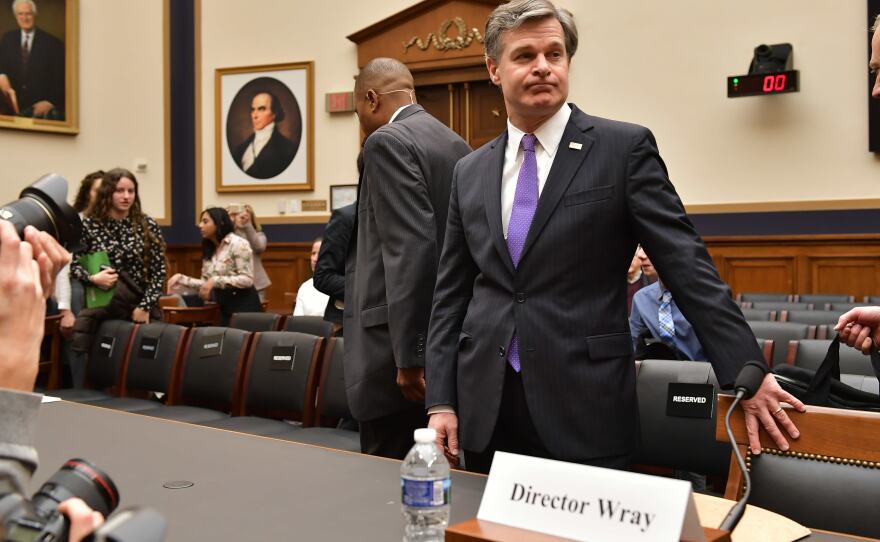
x=746, y=386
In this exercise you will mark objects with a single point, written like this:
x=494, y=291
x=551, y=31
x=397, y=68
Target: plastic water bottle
x=425, y=489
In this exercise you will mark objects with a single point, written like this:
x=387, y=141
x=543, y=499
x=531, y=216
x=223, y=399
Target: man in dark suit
x=403, y=199
x=266, y=153
x=528, y=349
x=329, y=275
x=31, y=68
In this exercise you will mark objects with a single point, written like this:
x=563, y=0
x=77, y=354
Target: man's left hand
x=765, y=409
x=412, y=383
x=43, y=108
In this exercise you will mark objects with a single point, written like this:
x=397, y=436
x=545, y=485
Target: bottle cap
x=425, y=434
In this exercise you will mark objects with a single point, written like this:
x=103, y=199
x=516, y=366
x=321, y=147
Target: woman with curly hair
x=134, y=245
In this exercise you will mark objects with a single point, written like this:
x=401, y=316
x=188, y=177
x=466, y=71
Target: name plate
x=588, y=503
x=149, y=347
x=213, y=346
x=690, y=400
x=105, y=345
x=283, y=358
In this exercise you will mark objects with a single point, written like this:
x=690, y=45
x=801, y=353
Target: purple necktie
x=525, y=201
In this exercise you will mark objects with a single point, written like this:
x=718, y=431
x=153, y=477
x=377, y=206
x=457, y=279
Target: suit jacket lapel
x=491, y=174
x=565, y=164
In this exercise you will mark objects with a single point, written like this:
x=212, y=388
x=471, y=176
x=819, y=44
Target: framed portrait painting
x=264, y=128
x=38, y=65
x=342, y=195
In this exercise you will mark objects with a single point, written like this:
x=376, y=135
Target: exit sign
x=339, y=102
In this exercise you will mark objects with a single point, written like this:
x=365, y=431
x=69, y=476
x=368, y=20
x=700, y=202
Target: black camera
x=44, y=206
x=39, y=519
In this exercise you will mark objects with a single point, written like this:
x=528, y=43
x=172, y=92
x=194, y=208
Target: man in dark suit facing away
x=390, y=271
x=329, y=275
x=31, y=68
x=266, y=153
x=529, y=350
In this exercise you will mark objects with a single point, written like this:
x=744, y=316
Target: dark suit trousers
x=392, y=436
x=515, y=433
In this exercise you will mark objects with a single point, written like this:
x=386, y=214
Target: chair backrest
x=332, y=401
x=767, y=346
x=759, y=315
x=824, y=298
x=781, y=333
x=672, y=441
x=311, y=325
x=110, y=351
x=763, y=297
x=841, y=308
x=872, y=299
x=212, y=367
x=816, y=318
x=830, y=477
x=781, y=306
x=809, y=354
x=255, y=321
x=155, y=357
x=281, y=376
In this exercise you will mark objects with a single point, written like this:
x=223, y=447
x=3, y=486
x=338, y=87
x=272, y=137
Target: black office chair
x=841, y=308
x=781, y=306
x=311, y=325
x=280, y=380
x=255, y=321
x=332, y=406
x=872, y=299
x=781, y=333
x=677, y=442
x=819, y=299
x=757, y=297
x=156, y=355
x=829, y=479
x=759, y=315
x=110, y=351
x=210, y=380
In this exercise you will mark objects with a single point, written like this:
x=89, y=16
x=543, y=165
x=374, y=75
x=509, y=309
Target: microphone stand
x=735, y=514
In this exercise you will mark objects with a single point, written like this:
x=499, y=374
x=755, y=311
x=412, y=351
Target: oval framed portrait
x=264, y=128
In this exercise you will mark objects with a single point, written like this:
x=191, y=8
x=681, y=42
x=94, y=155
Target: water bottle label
x=425, y=493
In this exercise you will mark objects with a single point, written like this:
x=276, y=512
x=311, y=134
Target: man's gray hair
x=512, y=15
x=31, y=2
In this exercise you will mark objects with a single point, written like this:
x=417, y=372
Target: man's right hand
x=105, y=279
x=446, y=425
x=860, y=328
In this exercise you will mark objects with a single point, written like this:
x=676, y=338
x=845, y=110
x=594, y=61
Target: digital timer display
x=761, y=84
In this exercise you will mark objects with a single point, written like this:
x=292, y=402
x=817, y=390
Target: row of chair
x=832, y=486
x=222, y=377
x=806, y=298
x=778, y=306
x=268, y=321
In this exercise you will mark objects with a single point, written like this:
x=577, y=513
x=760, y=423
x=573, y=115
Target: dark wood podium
x=475, y=530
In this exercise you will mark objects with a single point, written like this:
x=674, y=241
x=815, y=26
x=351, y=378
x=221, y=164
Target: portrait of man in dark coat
x=266, y=152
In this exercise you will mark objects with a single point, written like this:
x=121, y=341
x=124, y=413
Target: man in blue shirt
x=654, y=311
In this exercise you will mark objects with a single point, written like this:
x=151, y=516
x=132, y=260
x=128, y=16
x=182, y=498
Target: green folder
x=95, y=296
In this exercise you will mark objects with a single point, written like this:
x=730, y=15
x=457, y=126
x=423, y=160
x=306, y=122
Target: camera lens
x=44, y=206
x=77, y=478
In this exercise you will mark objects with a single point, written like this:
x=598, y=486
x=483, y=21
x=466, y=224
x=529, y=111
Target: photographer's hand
x=50, y=256
x=22, y=310
x=83, y=520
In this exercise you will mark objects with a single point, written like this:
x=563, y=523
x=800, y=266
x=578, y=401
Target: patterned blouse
x=123, y=241
x=231, y=266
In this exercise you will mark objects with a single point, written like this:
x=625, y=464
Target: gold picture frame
x=44, y=94
x=274, y=150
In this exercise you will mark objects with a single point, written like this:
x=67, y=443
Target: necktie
x=25, y=51
x=525, y=201
x=664, y=318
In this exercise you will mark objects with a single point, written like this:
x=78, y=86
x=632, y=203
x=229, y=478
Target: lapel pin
x=575, y=145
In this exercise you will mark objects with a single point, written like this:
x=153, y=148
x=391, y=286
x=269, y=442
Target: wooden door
x=474, y=110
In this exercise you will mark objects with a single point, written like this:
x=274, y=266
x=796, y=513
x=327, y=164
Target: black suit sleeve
x=452, y=295
x=683, y=263
x=405, y=227
x=329, y=276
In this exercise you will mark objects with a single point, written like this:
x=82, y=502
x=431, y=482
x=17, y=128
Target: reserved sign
x=588, y=503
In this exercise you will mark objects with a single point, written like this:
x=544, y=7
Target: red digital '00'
x=774, y=83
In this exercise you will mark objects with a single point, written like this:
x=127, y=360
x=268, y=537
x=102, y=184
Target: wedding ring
x=777, y=411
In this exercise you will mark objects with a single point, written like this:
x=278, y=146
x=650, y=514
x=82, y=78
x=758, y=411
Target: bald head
x=383, y=86
x=382, y=74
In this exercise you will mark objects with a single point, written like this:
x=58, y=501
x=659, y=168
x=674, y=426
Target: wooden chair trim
x=238, y=375
x=126, y=358
x=316, y=373
x=767, y=348
x=174, y=388
x=52, y=331
x=240, y=409
x=791, y=356
x=783, y=316
x=773, y=316
x=811, y=332
x=327, y=361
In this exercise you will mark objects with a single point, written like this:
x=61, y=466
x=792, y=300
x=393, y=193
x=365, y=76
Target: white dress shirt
x=549, y=135
x=309, y=301
x=399, y=109
x=261, y=137
x=27, y=37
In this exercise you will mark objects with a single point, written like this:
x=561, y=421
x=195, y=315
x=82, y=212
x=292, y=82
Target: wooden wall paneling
x=856, y=276
x=486, y=114
x=757, y=274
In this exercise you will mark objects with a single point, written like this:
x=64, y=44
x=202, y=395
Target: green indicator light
x=736, y=80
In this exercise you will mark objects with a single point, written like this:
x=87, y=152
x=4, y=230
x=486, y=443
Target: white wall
x=121, y=77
